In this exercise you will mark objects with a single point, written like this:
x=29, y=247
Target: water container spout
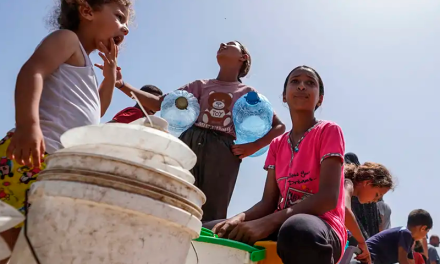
x=252, y=98
x=182, y=103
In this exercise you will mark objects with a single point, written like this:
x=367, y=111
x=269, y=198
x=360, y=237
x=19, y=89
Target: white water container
x=210, y=249
x=116, y=194
x=9, y=217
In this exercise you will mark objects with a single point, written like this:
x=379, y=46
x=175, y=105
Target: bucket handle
x=142, y=108
x=258, y=254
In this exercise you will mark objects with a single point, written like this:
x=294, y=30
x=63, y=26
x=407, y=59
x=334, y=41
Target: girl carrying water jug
x=212, y=137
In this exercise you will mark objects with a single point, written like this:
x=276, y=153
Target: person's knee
x=297, y=232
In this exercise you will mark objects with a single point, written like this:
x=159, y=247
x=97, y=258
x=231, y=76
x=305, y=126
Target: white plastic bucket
x=209, y=249
x=168, y=149
x=79, y=223
x=116, y=194
x=9, y=217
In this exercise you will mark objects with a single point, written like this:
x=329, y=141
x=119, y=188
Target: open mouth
x=118, y=39
x=222, y=49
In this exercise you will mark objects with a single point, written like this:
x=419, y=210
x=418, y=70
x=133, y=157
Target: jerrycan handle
x=252, y=98
x=208, y=233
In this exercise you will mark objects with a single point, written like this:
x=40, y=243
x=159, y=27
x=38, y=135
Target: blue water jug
x=181, y=110
x=252, y=115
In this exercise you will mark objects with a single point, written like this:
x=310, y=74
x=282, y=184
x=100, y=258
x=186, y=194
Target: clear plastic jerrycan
x=181, y=110
x=252, y=115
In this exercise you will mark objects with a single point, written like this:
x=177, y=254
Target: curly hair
x=66, y=13
x=369, y=171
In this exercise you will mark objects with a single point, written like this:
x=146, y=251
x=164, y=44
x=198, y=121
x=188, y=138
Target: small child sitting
x=395, y=245
x=131, y=114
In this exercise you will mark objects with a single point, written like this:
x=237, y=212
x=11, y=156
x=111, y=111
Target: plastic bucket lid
x=256, y=253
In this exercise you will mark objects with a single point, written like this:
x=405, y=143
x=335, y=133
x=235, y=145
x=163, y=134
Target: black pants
x=304, y=239
x=216, y=169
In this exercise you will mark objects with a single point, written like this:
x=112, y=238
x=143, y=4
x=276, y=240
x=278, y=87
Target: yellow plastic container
x=271, y=252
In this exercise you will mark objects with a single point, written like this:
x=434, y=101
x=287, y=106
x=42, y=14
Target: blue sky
x=379, y=61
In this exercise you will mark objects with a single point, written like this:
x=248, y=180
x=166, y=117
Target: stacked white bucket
x=9, y=217
x=116, y=194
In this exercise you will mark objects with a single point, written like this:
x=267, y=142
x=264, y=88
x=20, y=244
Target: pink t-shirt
x=216, y=99
x=297, y=169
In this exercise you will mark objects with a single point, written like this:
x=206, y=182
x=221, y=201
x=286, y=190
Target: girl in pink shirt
x=303, y=206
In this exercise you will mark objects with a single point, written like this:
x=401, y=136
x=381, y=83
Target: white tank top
x=70, y=99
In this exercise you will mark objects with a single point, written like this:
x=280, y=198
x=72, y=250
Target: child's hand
x=365, y=256
x=119, y=81
x=252, y=231
x=223, y=228
x=27, y=146
x=109, y=69
x=245, y=150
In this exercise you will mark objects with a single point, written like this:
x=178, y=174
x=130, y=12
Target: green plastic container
x=210, y=249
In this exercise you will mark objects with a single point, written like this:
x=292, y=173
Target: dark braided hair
x=246, y=66
x=66, y=14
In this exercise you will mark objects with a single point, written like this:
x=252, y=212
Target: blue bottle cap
x=252, y=98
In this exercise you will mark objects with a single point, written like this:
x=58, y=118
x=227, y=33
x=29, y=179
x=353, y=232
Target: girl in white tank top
x=57, y=90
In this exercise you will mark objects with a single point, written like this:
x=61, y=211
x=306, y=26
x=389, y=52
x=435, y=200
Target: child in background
x=212, y=137
x=367, y=214
x=433, y=256
x=303, y=202
x=57, y=90
x=131, y=114
x=369, y=182
x=394, y=245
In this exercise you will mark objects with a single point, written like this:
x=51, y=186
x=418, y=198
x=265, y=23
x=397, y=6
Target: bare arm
x=278, y=128
x=268, y=203
x=105, y=94
x=266, y=206
x=147, y=100
x=55, y=50
x=350, y=219
x=425, y=247
x=403, y=257
x=110, y=71
x=27, y=146
x=325, y=200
